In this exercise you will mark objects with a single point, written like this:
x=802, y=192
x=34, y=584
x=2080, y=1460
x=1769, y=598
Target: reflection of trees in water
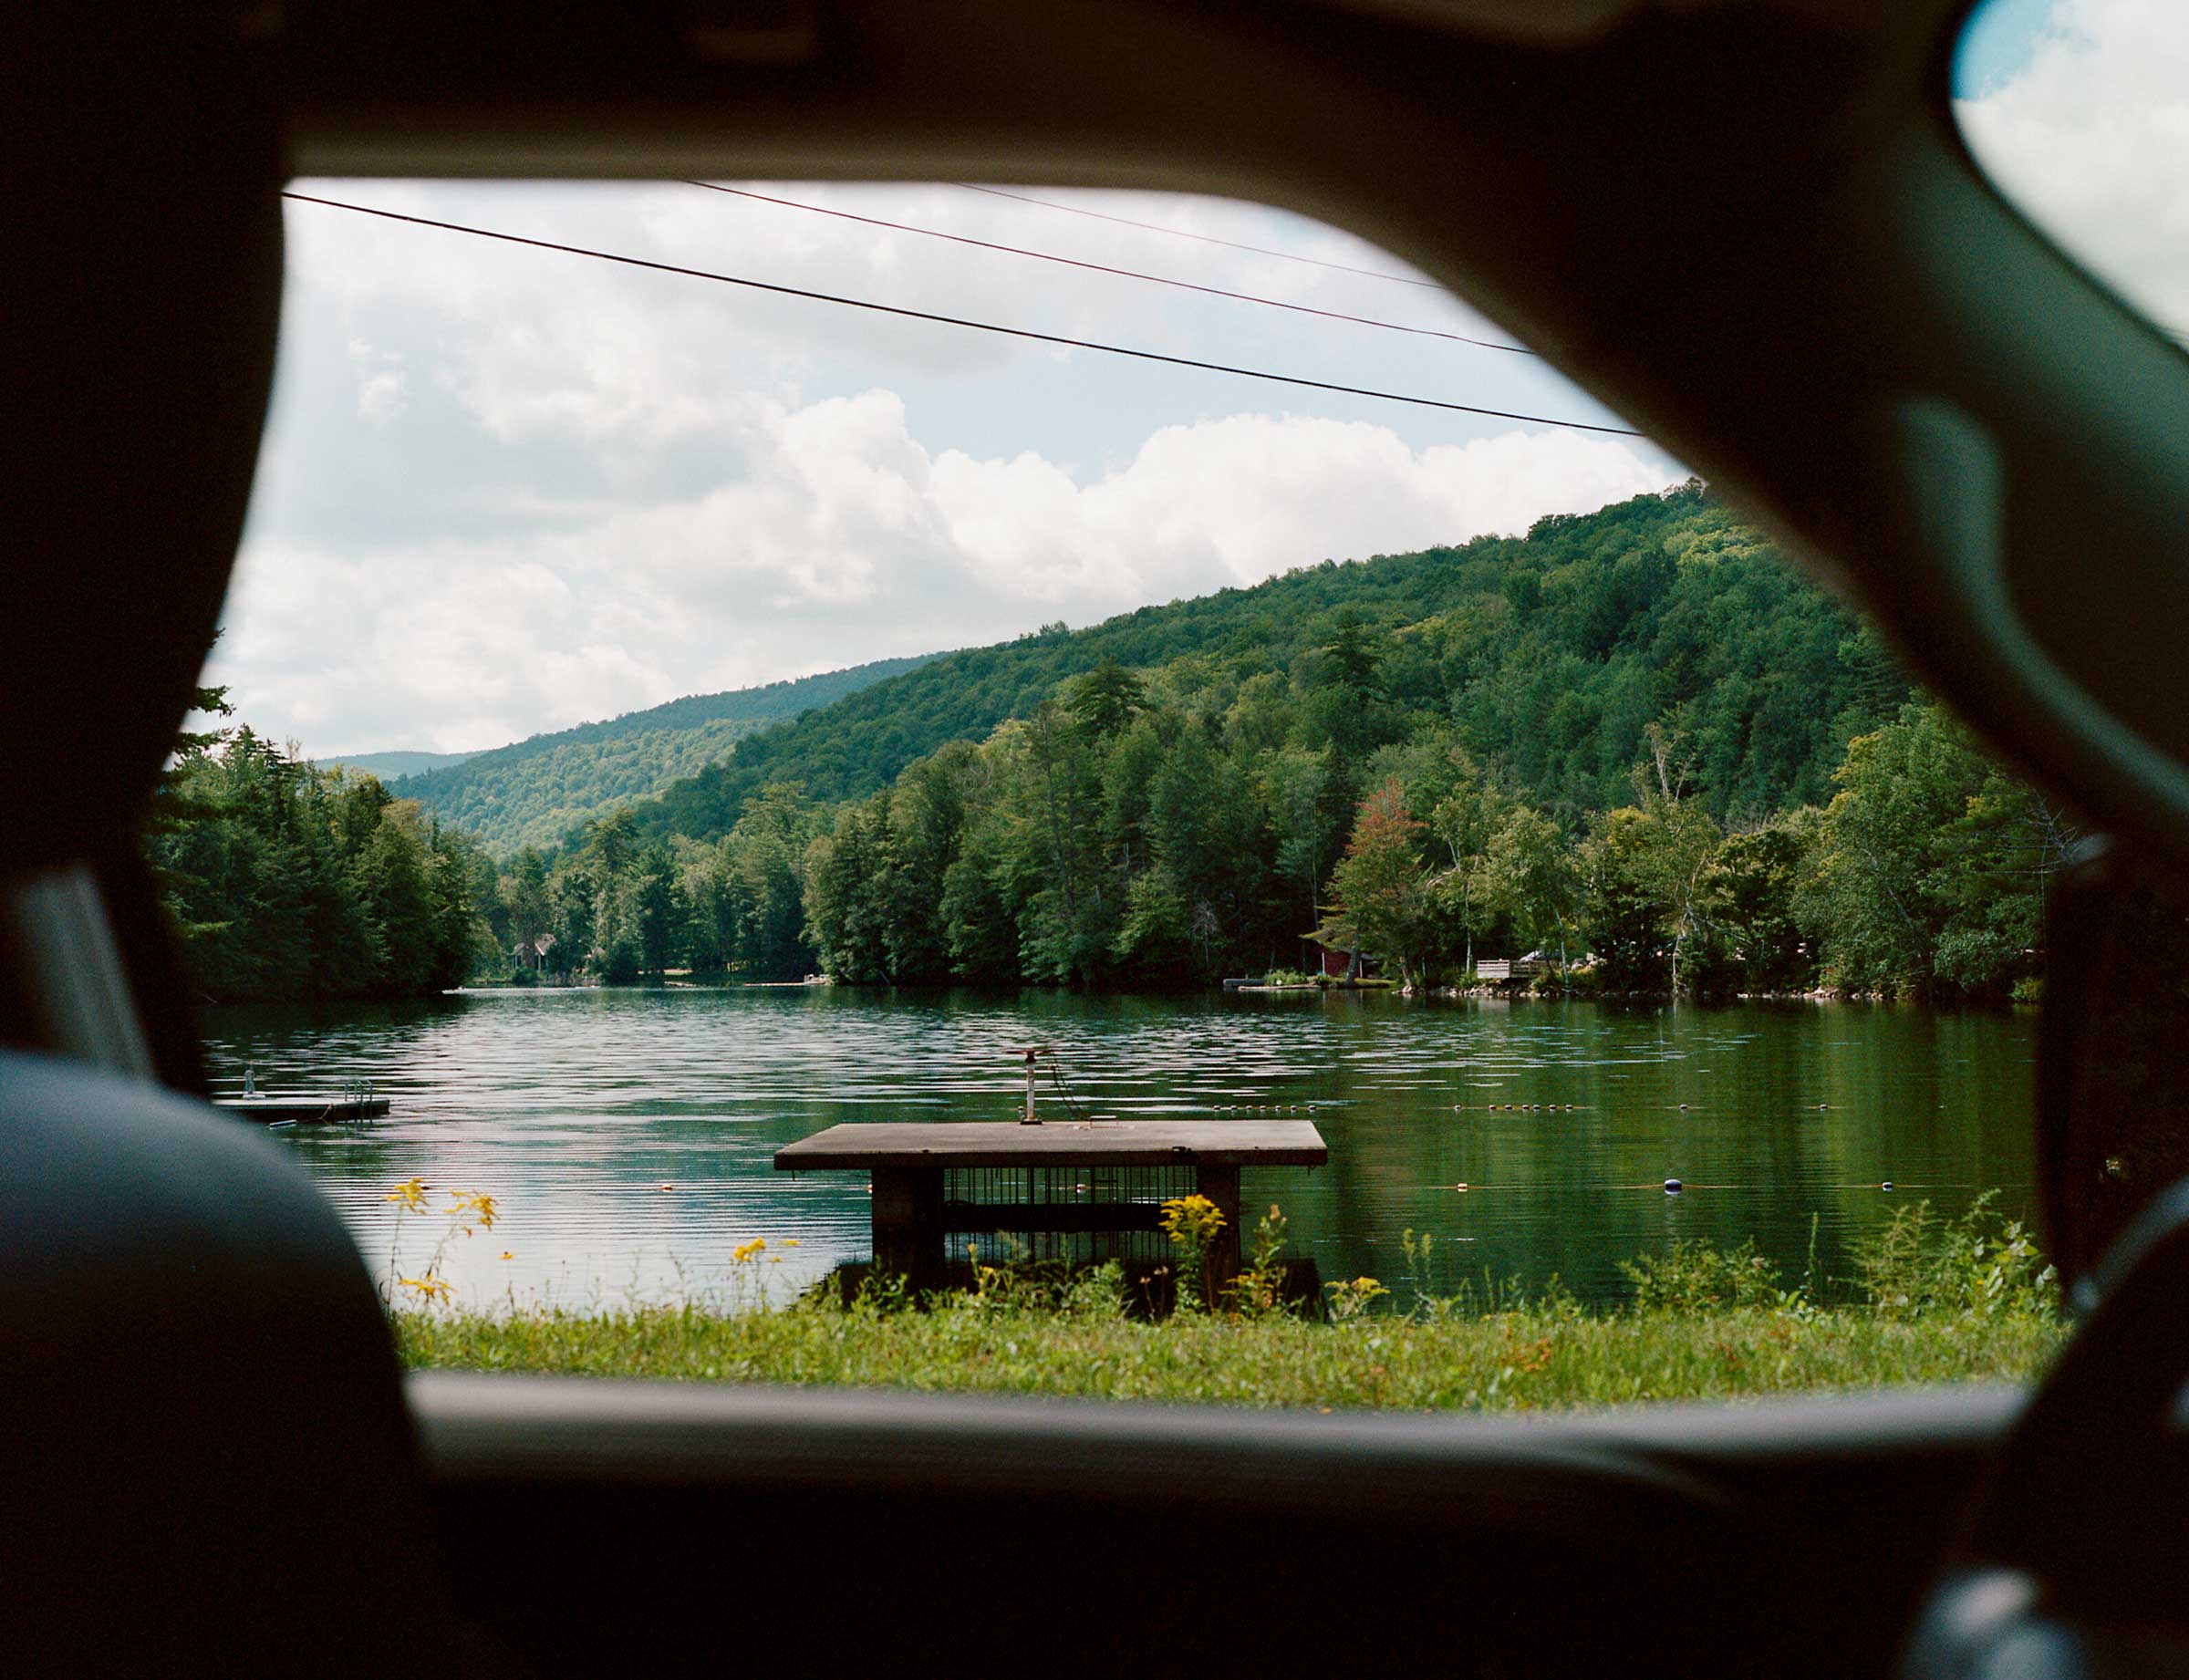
x=574, y=1108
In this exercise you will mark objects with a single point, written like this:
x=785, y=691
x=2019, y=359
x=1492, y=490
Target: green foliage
x=1695, y=1276
x=1959, y=1302
x=1191, y=1222
x=1603, y=746
x=1547, y=655
x=1981, y=1264
x=282, y=880
x=1259, y=1291
x=1930, y=866
x=537, y=791
x=1189, y=792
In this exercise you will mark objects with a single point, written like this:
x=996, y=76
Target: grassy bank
x=1932, y=1302
x=1508, y=1362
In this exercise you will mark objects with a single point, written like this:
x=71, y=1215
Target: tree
x=663, y=911
x=766, y=849
x=1622, y=912
x=1155, y=940
x=1103, y=700
x=1530, y=870
x=1931, y=865
x=1465, y=821
x=392, y=892
x=1350, y=659
x=845, y=882
x=1295, y=788
x=524, y=894
x=1205, y=828
x=182, y=800
x=1378, y=890
x=1752, y=887
x=460, y=937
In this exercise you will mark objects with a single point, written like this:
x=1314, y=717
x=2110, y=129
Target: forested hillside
x=1636, y=742
x=386, y=765
x=536, y=791
x=284, y=881
x=1547, y=655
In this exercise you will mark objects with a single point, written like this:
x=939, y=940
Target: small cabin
x=1340, y=964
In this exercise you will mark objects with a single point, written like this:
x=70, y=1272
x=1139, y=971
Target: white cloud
x=847, y=540
x=506, y=490
x=2090, y=137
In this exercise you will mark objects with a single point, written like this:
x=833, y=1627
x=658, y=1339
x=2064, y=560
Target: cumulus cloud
x=847, y=540
x=2089, y=135
x=505, y=491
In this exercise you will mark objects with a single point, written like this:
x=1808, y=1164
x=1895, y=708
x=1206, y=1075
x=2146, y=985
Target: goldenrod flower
x=477, y=1205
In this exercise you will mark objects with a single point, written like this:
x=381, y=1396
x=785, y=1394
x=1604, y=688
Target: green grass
x=1933, y=1302
x=1508, y=1361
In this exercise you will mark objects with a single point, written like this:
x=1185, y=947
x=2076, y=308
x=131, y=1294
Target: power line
x=1104, y=268
x=1206, y=239
x=953, y=320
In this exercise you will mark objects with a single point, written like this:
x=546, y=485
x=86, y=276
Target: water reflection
x=628, y=1134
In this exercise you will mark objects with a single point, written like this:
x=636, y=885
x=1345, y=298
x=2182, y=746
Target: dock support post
x=1221, y=1186
x=907, y=1224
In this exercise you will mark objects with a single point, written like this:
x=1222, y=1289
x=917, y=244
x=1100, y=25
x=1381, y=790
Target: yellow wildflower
x=473, y=1204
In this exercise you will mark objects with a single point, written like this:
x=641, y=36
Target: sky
x=2079, y=111
x=506, y=490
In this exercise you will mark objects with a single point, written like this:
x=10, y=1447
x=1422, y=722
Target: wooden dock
x=301, y=1110
x=934, y=1178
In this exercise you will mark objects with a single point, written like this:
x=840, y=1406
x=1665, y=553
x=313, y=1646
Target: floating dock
x=295, y=1109
x=936, y=1177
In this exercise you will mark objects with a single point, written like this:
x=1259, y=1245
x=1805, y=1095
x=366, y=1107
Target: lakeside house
x=1338, y=963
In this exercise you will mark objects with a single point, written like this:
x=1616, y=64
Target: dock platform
x=933, y=1179
x=303, y=1110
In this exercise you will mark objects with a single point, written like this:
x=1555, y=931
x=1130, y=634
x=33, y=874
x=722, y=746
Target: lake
x=626, y=1134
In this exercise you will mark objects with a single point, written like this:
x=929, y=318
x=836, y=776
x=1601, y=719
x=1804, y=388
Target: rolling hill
x=534, y=791
x=388, y=766
x=1550, y=653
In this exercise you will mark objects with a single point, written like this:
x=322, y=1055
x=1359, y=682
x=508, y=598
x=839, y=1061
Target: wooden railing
x=1508, y=968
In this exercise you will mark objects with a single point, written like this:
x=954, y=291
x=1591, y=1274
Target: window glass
x=2079, y=111
x=711, y=663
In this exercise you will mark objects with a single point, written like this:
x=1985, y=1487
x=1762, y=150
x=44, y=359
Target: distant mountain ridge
x=1550, y=652
x=534, y=791
x=391, y=765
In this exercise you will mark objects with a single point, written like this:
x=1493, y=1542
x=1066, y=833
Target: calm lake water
x=626, y=1134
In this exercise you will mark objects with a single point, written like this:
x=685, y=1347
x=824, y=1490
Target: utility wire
x=953, y=320
x=1104, y=268
x=1206, y=239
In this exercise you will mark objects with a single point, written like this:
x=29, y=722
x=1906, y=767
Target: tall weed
x=1981, y=1264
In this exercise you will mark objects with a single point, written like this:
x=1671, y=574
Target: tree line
x=284, y=881
x=1635, y=743
x=1132, y=833
x=1547, y=654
